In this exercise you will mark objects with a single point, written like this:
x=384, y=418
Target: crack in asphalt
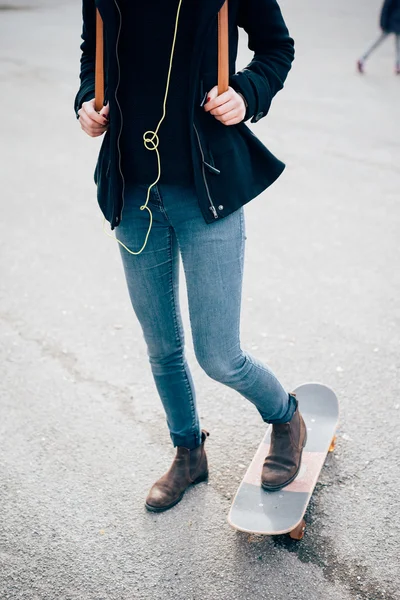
x=66, y=359
x=69, y=362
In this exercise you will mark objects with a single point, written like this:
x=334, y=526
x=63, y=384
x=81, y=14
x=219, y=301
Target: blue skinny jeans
x=212, y=257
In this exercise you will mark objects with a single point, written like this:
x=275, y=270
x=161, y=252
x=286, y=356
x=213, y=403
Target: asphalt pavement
x=82, y=432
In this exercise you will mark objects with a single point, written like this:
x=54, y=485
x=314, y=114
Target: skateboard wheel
x=298, y=532
x=333, y=444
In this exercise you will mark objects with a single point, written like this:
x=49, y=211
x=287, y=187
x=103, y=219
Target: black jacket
x=231, y=166
x=390, y=16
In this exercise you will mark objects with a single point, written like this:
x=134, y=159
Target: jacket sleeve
x=88, y=48
x=273, y=56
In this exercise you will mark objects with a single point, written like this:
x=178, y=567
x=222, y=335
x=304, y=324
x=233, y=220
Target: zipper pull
x=214, y=212
x=202, y=103
x=212, y=169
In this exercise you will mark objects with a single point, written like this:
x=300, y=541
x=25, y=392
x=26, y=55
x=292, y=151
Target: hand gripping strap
x=223, y=55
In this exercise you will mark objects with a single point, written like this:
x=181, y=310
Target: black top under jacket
x=230, y=164
x=144, y=49
x=390, y=16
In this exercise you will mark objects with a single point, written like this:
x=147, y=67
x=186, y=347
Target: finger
x=85, y=118
x=212, y=95
x=233, y=122
x=94, y=134
x=233, y=114
x=105, y=111
x=224, y=108
x=221, y=99
x=90, y=111
x=89, y=124
x=91, y=129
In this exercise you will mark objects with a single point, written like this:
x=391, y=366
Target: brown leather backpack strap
x=223, y=49
x=99, y=76
x=223, y=55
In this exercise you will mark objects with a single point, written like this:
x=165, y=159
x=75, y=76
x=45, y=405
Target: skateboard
x=255, y=510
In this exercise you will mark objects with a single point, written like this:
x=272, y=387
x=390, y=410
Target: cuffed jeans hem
x=190, y=442
x=288, y=415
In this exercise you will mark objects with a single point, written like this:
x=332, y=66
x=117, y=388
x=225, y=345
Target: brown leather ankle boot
x=282, y=464
x=188, y=468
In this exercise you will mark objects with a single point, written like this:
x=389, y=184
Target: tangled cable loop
x=151, y=140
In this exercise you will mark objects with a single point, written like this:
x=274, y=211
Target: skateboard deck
x=255, y=510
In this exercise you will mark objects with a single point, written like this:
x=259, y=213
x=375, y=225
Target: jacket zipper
x=119, y=218
x=211, y=207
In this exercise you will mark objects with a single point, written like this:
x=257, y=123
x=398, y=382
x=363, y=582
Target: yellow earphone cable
x=151, y=142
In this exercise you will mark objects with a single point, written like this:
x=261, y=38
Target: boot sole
x=268, y=488
x=158, y=509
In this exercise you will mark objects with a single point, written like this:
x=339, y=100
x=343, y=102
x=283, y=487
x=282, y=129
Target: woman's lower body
x=212, y=257
x=383, y=36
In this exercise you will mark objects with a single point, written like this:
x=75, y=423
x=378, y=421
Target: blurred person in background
x=189, y=203
x=390, y=23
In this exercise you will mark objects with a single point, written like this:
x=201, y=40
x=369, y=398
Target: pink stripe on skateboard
x=310, y=468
